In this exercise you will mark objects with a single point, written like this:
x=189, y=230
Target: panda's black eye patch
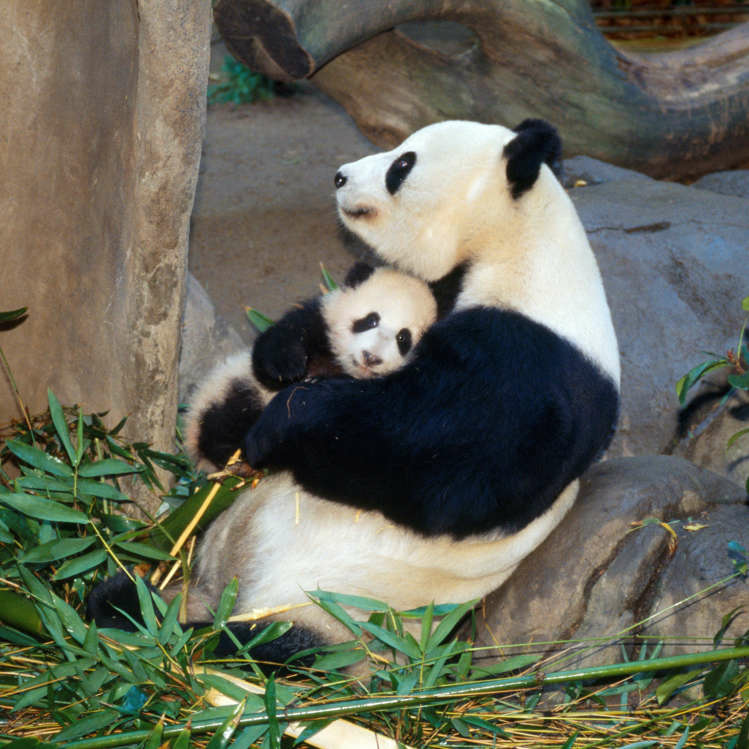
x=404, y=341
x=372, y=320
x=399, y=170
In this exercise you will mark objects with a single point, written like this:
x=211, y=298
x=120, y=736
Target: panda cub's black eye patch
x=372, y=320
x=399, y=170
x=404, y=341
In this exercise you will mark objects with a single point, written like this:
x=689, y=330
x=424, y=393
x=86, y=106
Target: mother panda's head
x=426, y=204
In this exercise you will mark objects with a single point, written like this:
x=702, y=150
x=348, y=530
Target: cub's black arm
x=281, y=354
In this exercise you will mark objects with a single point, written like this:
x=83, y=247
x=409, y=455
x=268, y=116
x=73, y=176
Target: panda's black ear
x=358, y=274
x=536, y=143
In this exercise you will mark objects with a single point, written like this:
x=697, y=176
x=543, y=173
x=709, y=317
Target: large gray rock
x=207, y=339
x=674, y=261
x=610, y=564
x=102, y=120
x=735, y=182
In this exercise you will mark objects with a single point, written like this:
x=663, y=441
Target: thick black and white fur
x=433, y=482
x=365, y=328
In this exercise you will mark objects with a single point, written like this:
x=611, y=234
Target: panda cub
x=369, y=327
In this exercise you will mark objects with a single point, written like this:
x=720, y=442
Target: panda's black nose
x=371, y=360
x=339, y=179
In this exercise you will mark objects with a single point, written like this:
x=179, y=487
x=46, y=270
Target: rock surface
x=611, y=563
x=207, y=338
x=102, y=120
x=673, y=260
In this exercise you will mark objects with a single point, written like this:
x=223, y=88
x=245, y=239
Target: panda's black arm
x=483, y=429
x=281, y=354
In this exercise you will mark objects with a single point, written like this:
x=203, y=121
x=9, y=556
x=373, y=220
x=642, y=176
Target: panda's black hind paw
x=118, y=591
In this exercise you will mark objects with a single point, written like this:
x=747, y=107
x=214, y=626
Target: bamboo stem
x=427, y=696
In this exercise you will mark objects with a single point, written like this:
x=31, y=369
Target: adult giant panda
x=432, y=483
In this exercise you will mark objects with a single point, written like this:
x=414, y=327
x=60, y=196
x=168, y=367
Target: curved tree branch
x=671, y=114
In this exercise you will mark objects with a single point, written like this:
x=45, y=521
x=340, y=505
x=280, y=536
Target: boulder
x=206, y=338
x=673, y=261
x=646, y=540
x=102, y=120
x=734, y=182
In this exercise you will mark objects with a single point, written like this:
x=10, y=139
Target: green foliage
x=65, y=477
x=737, y=361
x=240, y=85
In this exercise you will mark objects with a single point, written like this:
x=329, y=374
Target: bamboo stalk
x=427, y=696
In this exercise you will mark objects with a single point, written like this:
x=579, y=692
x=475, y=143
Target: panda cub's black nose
x=339, y=179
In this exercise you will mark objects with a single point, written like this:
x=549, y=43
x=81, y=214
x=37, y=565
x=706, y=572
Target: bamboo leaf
x=169, y=624
x=735, y=437
x=80, y=564
x=102, y=490
x=272, y=632
x=685, y=383
x=13, y=314
x=683, y=739
x=19, y=612
x=56, y=550
x=743, y=739
x=154, y=740
x=107, y=467
x=258, y=320
x=357, y=602
x=61, y=425
x=513, y=663
x=337, y=612
x=45, y=483
x=143, y=550
x=38, y=458
x=426, y=626
x=226, y=603
x=89, y=724
x=740, y=381
x=43, y=509
x=329, y=281
x=401, y=644
x=146, y=606
x=274, y=729
x=448, y=623
x=665, y=689
x=183, y=740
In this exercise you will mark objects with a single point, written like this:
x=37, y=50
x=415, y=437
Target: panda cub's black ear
x=536, y=143
x=358, y=274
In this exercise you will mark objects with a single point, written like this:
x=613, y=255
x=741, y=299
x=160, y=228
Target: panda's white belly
x=282, y=541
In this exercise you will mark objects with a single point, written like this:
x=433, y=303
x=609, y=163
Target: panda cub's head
x=376, y=319
x=448, y=191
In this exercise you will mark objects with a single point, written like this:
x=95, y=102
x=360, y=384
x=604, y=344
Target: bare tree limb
x=672, y=114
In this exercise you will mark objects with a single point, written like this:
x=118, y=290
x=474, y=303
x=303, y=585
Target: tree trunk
x=675, y=114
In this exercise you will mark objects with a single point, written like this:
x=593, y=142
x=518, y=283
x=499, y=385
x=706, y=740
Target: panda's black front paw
x=278, y=359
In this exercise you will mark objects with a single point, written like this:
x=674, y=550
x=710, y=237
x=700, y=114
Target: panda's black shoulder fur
x=491, y=419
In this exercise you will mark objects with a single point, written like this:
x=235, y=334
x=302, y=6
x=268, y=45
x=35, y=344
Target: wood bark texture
x=676, y=114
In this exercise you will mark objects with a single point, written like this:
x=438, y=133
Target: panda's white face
x=421, y=204
x=374, y=326
x=463, y=192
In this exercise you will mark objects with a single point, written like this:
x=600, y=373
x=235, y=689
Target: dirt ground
x=264, y=216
